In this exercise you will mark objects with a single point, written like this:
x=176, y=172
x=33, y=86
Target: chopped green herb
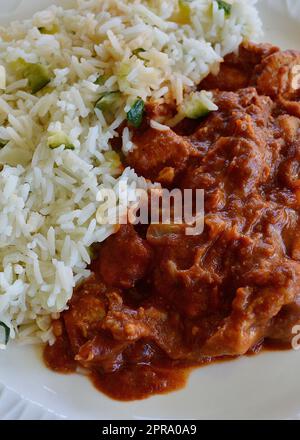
x=137, y=52
x=59, y=138
x=109, y=102
x=226, y=6
x=7, y=332
x=3, y=143
x=136, y=113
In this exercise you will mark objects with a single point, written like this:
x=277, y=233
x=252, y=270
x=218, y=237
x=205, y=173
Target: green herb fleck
x=7, y=331
x=226, y=6
x=3, y=143
x=136, y=113
x=137, y=52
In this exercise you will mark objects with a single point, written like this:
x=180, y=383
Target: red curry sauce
x=160, y=302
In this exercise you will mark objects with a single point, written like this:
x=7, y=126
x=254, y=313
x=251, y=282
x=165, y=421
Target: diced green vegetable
x=18, y=66
x=137, y=52
x=38, y=76
x=196, y=110
x=49, y=30
x=184, y=12
x=109, y=102
x=113, y=158
x=198, y=105
x=101, y=80
x=7, y=332
x=226, y=6
x=122, y=72
x=59, y=138
x=136, y=113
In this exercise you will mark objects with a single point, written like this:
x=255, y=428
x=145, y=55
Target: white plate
x=266, y=386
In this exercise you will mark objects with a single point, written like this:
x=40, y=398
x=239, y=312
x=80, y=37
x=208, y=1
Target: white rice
x=157, y=126
x=48, y=196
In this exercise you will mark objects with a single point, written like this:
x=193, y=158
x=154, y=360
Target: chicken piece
x=155, y=150
x=237, y=70
x=230, y=77
x=276, y=77
x=124, y=258
x=282, y=326
x=83, y=319
x=290, y=126
x=160, y=112
x=253, y=53
x=103, y=352
x=238, y=154
x=124, y=323
x=253, y=310
x=289, y=171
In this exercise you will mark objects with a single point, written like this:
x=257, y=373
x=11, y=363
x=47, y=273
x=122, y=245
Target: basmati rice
x=48, y=196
